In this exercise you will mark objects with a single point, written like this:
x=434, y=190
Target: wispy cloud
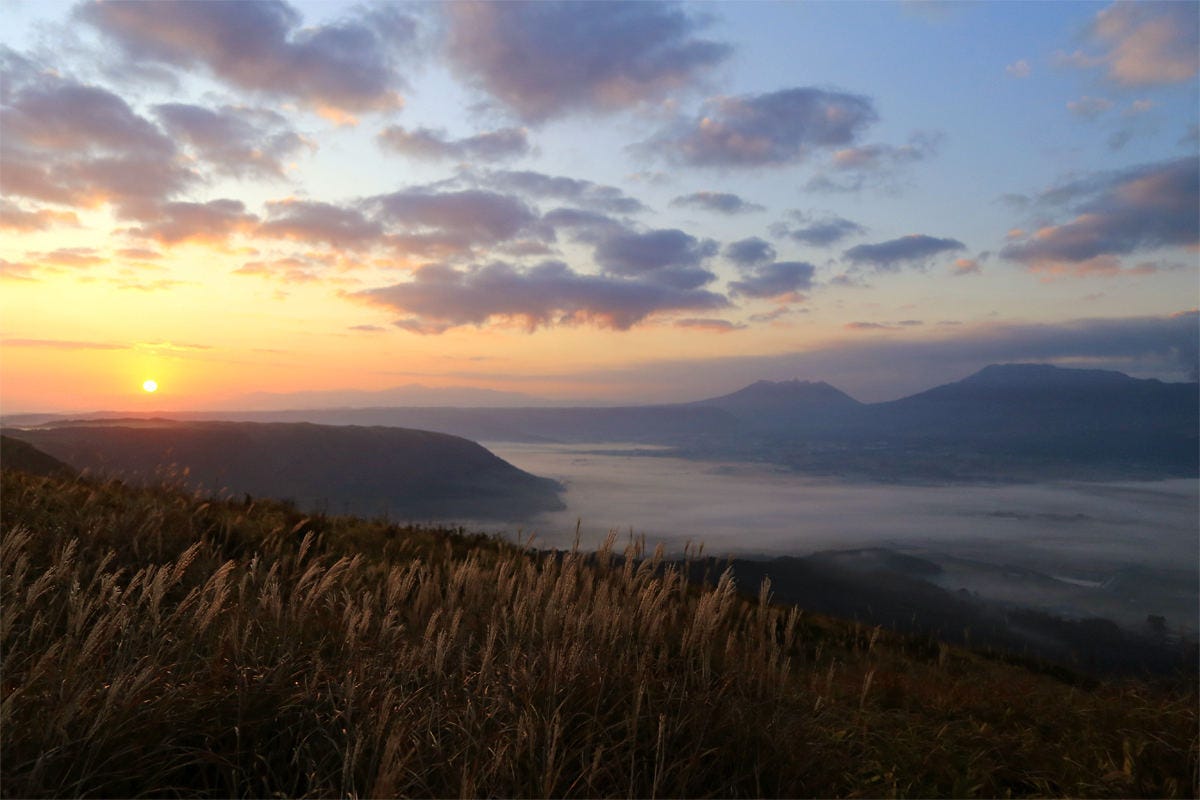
x=1019, y=69
x=718, y=202
x=497, y=145
x=1089, y=107
x=709, y=324
x=62, y=344
x=852, y=169
x=913, y=250
x=1146, y=43
x=539, y=185
x=817, y=230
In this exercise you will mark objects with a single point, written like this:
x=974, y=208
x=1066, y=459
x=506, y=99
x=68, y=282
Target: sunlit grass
x=158, y=643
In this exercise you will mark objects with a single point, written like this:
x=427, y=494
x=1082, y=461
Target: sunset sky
x=588, y=202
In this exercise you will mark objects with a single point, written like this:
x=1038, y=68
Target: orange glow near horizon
x=234, y=235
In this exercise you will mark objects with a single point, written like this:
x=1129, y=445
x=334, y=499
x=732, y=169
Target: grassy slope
x=157, y=643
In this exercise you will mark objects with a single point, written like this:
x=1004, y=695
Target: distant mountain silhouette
x=782, y=396
x=785, y=405
x=405, y=474
x=1005, y=422
x=1038, y=400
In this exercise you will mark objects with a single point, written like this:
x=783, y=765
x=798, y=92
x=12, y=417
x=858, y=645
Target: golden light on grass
x=150, y=386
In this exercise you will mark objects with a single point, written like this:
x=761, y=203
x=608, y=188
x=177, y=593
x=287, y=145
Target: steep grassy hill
x=157, y=643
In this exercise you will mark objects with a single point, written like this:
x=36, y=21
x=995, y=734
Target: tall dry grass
x=156, y=643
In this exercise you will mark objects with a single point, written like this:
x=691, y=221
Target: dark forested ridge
x=404, y=474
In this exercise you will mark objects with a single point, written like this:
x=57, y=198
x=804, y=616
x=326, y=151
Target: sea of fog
x=1119, y=550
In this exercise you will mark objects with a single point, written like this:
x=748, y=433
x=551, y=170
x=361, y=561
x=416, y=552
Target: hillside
x=404, y=474
x=154, y=643
x=21, y=455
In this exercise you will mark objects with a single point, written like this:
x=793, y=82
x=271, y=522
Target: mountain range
x=1005, y=422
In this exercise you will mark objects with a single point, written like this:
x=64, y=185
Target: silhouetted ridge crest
x=1047, y=375
x=402, y=473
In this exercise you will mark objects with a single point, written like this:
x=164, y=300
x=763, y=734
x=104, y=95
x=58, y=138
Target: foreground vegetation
x=156, y=643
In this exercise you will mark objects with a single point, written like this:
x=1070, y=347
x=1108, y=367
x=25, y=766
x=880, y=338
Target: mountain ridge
x=394, y=472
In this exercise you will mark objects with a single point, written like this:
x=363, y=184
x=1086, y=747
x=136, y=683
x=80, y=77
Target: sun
x=150, y=386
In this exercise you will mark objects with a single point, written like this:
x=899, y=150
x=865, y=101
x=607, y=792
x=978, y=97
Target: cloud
x=667, y=256
x=1116, y=214
x=62, y=344
x=212, y=222
x=17, y=270
x=1019, y=69
x=311, y=221
x=584, y=225
x=777, y=128
x=55, y=114
x=242, y=142
x=965, y=266
x=574, y=190
x=449, y=222
x=875, y=157
x=708, y=324
x=81, y=146
x=911, y=250
x=818, y=231
x=428, y=143
x=139, y=253
x=749, y=252
x=441, y=297
x=73, y=257
x=14, y=217
x=852, y=169
x=349, y=66
x=545, y=59
x=160, y=285
x=1147, y=43
x=719, y=202
x=776, y=313
x=290, y=270
x=1089, y=107
x=1139, y=107
x=774, y=280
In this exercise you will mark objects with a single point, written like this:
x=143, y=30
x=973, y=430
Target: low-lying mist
x=1118, y=550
